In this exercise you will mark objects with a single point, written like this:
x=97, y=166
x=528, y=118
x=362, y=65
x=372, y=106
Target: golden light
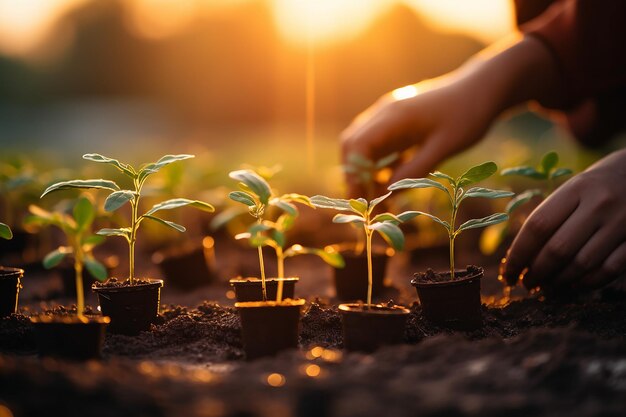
x=403, y=93
x=276, y=380
x=5, y=411
x=323, y=21
x=157, y=19
x=312, y=371
x=487, y=20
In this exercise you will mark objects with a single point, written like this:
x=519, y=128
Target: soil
x=116, y=283
x=531, y=357
x=431, y=276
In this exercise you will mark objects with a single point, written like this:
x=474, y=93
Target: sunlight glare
x=403, y=93
x=158, y=19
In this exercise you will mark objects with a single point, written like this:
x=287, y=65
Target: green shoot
x=256, y=194
x=16, y=175
x=456, y=194
x=80, y=242
x=367, y=171
x=386, y=224
x=5, y=232
x=119, y=197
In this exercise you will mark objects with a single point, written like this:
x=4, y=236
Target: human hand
x=575, y=239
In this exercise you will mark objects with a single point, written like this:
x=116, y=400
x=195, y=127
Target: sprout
x=456, y=194
x=256, y=194
x=119, y=198
x=5, y=231
x=367, y=171
x=386, y=224
x=79, y=242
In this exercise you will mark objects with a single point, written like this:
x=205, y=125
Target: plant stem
x=368, y=235
x=281, y=273
x=452, y=233
x=80, y=294
x=260, y=249
x=451, y=258
x=133, y=233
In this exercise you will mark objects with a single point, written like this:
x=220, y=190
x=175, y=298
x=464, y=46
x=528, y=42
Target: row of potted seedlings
x=268, y=310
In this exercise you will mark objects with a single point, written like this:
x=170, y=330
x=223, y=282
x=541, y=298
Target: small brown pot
x=132, y=308
x=268, y=327
x=351, y=280
x=189, y=266
x=451, y=304
x=250, y=289
x=367, y=329
x=10, y=284
x=69, y=337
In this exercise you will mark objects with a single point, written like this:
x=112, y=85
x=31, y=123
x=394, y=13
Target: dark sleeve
x=588, y=41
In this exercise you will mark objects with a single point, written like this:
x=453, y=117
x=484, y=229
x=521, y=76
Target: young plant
x=367, y=171
x=16, y=175
x=5, y=232
x=80, y=242
x=457, y=194
x=119, y=197
x=256, y=194
x=386, y=224
x=546, y=173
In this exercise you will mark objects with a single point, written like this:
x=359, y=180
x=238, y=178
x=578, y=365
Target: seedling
x=456, y=194
x=120, y=197
x=15, y=177
x=386, y=224
x=80, y=242
x=546, y=173
x=5, y=232
x=257, y=195
x=367, y=172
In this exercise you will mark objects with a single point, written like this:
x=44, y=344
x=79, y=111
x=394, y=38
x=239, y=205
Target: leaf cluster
x=457, y=193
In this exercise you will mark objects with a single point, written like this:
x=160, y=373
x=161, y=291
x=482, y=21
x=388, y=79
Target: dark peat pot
x=188, y=266
x=69, y=337
x=268, y=327
x=451, y=304
x=367, y=329
x=132, y=308
x=351, y=280
x=10, y=284
x=250, y=289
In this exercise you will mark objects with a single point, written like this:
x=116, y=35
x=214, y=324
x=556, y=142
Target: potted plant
x=132, y=304
x=269, y=324
x=452, y=298
x=350, y=282
x=369, y=326
x=10, y=280
x=77, y=336
x=547, y=174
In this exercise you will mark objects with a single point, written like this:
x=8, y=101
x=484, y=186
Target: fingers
x=423, y=162
x=613, y=267
x=537, y=230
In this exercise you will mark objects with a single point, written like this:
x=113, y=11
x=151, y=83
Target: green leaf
x=84, y=213
x=549, y=162
x=486, y=193
x=19, y=181
x=441, y=175
x=117, y=199
x=391, y=233
x=257, y=228
x=95, y=268
x=255, y=182
x=386, y=217
x=330, y=256
x=242, y=197
x=477, y=173
x=284, y=206
x=524, y=171
x=408, y=215
x=5, y=231
x=359, y=206
x=125, y=168
x=167, y=223
x=55, y=257
x=285, y=222
x=180, y=202
x=387, y=160
x=154, y=167
x=97, y=184
x=416, y=183
x=348, y=218
x=377, y=201
x=298, y=198
x=124, y=232
x=522, y=199
x=560, y=172
x=89, y=242
x=226, y=216
x=279, y=238
x=434, y=218
x=485, y=221
x=331, y=203
x=360, y=161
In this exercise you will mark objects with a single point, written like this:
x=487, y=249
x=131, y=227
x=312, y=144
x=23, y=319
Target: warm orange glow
x=403, y=93
x=275, y=380
x=157, y=19
x=312, y=371
x=5, y=411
